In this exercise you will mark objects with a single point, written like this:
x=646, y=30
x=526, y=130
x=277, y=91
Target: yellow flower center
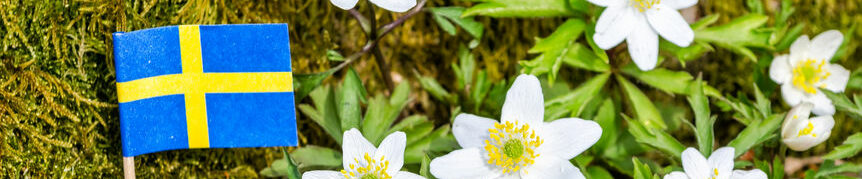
x=715, y=170
x=807, y=130
x=808, y=73
x=374, y=169
x=512, y=146
x=643, y=5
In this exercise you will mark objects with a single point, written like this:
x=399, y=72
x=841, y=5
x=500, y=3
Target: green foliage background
x=58, y=105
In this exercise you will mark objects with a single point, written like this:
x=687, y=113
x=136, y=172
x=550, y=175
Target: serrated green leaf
x=445, y=24
x=703, y=122
x=705, y=21
x=642, y=170
x=738, y=34
x=789, y=37
x=829, y=168
x=436, y=90
x=596, y=172
x=333, y=55
x=777, y=169
x=677, y=82
x=599, y=52
x=573, y=103
x=470, y=25
x=654, y=137
x=567, y=32
x=755, y=133
x=644, y=109
x=851, y=146
x=520, y=8
x=606, y=117
x=684, y=54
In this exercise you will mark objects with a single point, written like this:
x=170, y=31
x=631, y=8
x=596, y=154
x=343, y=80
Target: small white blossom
x=806, y=70
x=801, y=133
x=361, y=160
x=522, y=145
x=640, y=22
x=718, y=166
x=391, y=5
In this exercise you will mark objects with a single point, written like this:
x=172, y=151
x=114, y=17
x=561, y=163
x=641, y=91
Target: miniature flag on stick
x=204, y=86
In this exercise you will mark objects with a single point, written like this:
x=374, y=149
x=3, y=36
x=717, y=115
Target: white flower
x=807, y=69
x=522, y=145
x=718, y=166
x=362, y=160
x=801, y=133
x=639, y=22
x=391, y=5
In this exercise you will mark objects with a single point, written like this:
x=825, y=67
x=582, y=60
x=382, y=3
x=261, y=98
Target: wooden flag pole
x=129, y=167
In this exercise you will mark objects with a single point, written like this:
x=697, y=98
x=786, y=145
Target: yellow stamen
x=807, y=130
x=808, y=73
x=373, y=168
x=643, y=5
x=512, y=146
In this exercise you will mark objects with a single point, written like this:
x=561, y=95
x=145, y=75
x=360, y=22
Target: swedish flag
x=204, y=86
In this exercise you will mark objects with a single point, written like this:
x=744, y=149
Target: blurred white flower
x=801, y=133
x=718, y=166
x=806, y=70
x=391, y=5
x=361, y=160
x=522, y=145
x=640, y=22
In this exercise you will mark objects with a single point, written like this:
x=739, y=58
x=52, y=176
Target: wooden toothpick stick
x=129, y=167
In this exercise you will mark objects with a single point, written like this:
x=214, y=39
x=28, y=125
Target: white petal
x=799, y=47
x=822, y=104
x=822, y=127
x=395, y=5
x=355, y=146
x=722, y=159
x=837, y=80
x=694, y=164
x=670, y=25
x=463, y=163
x=568, y=137
x=407, y=175
x=679, y=4
x=675, y=175
x=322, y=174
x=606, y=3
x=825, y=45
x=392, y=149
x=524, y=102
x=791, y=95
x=750, y=174
x=471, y=130
x=796, y=115
x=798, y=143
x=550, y=167
x=344, y=4
x=780, y=70
x=613, y=26
x=643, y=45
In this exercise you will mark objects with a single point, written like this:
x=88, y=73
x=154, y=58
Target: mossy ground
x=58, y=105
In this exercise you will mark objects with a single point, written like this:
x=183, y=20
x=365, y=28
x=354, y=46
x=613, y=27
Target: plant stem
x=378, y=55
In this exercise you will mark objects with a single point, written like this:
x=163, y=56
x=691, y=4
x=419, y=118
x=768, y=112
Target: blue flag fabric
x=205, y=86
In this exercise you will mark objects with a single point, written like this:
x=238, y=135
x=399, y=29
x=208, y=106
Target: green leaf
x=756, y=132
x=666, y=80
x=445, y=24
x=642, y=170
x=333, y=55
x=599, y=52
x=738, y=34
x=644, y=109
x=705, y=22
x=424, y=169
x=520, y=8
x=470, y=25
x=347, y=99
x=789, y=37
x=567, y=32
x=842, y=103
x=654, y=137
x=703, y=122
x=596, y=172
x=436, y=90
x=304, y=83
x=324, y=112
x=561, y=48
x=464, y=69
x=283, y=167
x=573, y=103
x=849, y=148
x=829, y=168
x=777, y=169
x=694, y=51
x=606, y=118
x=316, y=156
